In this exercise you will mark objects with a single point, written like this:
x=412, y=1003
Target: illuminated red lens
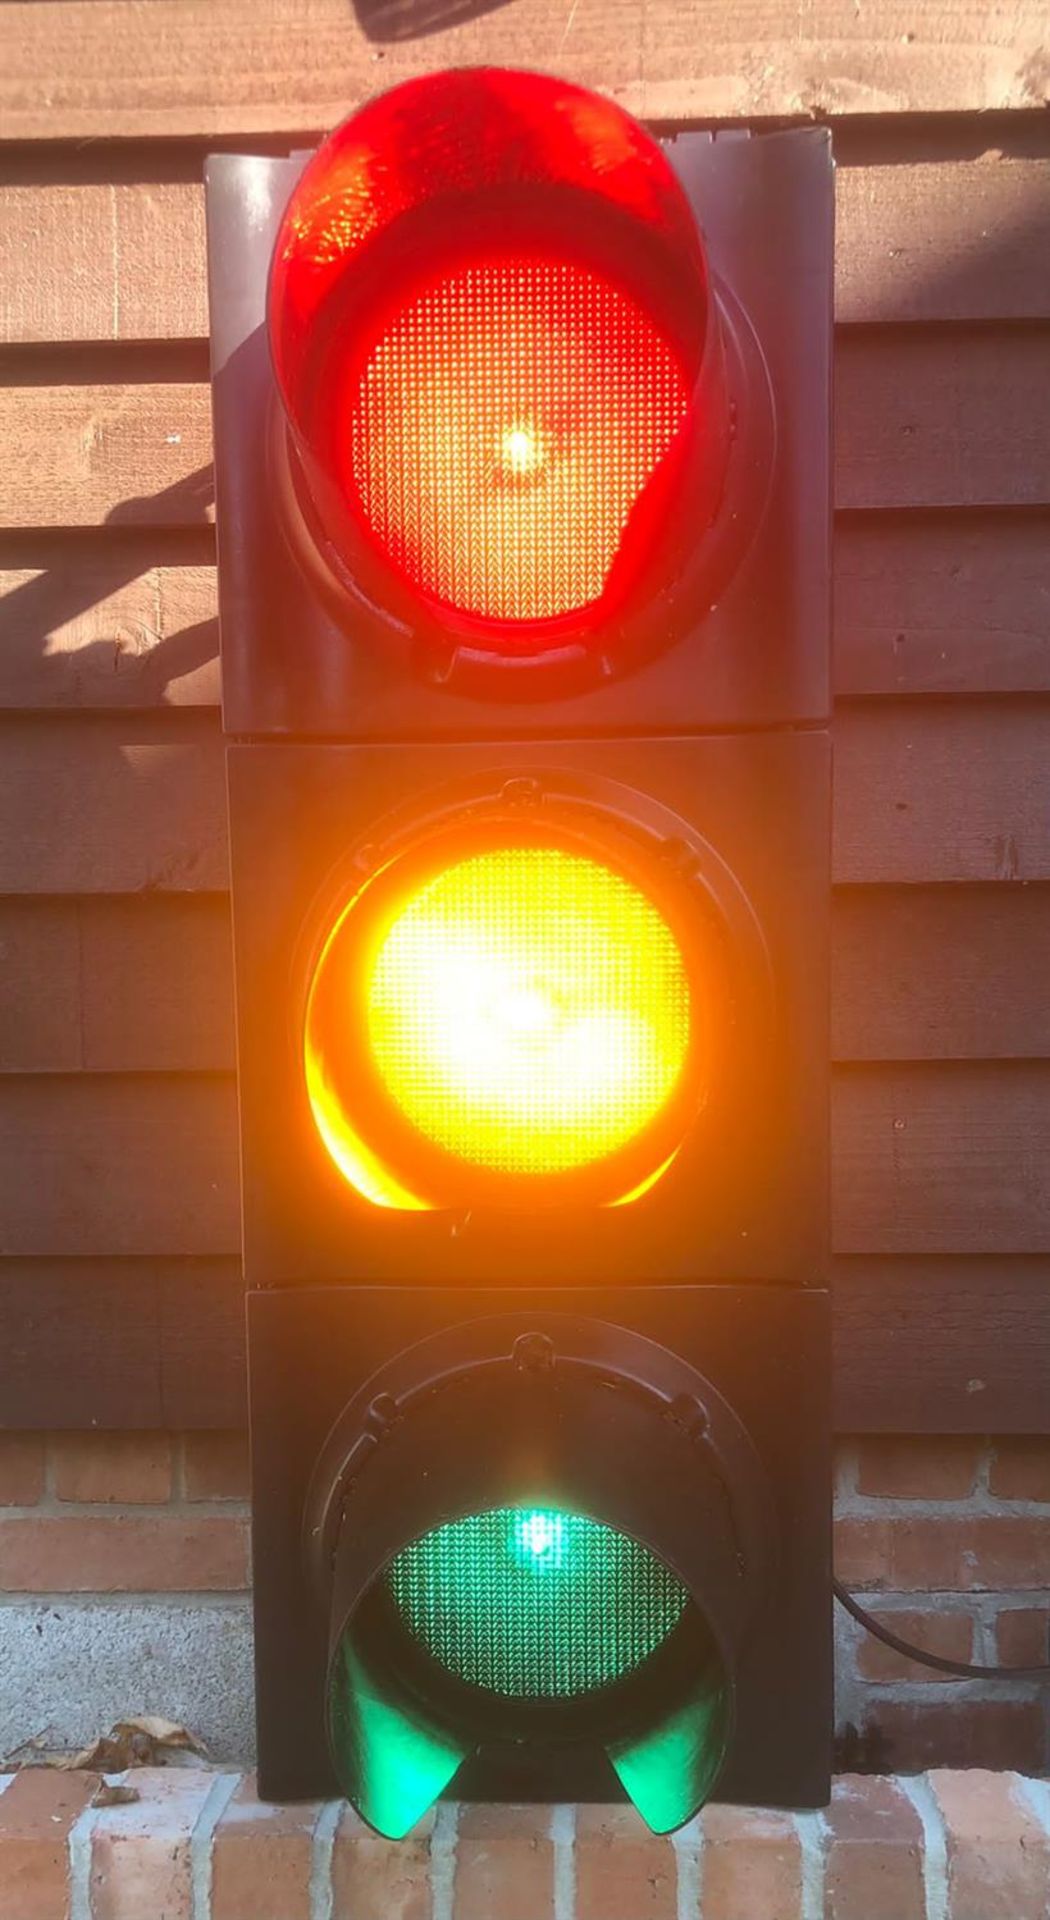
x=488, y=309
x=505, y=424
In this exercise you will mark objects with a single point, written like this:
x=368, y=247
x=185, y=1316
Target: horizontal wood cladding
x=930, y=973
x=924, y=418
x=115, y=805
x=145, y=984
x=950, y=240
x=941, y=1158
x=920, y=1345
x=94, y=68
x=122, y=1343
x=120, y=1294
x=925, y=791
x=927, y=1158
x=142, y=984
x=949, y=603
x=941, y=1346
x=937, y=603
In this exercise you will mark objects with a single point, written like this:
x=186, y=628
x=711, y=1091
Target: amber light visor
x=509, y=1016
x=489, y=316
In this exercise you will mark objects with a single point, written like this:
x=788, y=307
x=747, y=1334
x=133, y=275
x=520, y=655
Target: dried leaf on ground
x=145, y=1741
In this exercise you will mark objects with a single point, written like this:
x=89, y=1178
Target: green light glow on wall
x=535, y=1603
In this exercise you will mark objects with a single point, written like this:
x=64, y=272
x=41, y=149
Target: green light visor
x=530, y=1621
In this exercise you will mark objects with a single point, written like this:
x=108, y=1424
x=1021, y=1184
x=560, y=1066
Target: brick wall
x=197, y=1845
x=124, y=1566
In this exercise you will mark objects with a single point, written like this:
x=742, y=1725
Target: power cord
x=959, y=1669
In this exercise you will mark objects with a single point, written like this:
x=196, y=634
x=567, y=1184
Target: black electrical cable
x=959, y=1669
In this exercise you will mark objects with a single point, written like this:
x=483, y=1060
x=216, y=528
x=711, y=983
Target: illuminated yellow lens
x=528, y=1010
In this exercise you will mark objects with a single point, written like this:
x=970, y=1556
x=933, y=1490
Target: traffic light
x=522, y=447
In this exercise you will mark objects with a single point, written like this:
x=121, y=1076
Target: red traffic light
x=493, y=335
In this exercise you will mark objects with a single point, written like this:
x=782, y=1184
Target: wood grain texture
x=930, y=973
x=122, y=1344
x=91, y=68
x=954, y=419
x=948, y=603
x=949, y=240
x=942, y=790
x=945, y=1159
x=118, y=1166
x=959, y=417
x=101, y=630
x=115, y=806
x=941, y=1159
x=145, y=984
x=926, y=791
x=102, y=262
x=924, y=603
x=127, y=455
x=954, y=240
x=920, y=1346
x=941, y=1346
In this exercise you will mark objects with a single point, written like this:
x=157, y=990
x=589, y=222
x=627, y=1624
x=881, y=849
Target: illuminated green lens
x=534, y=1603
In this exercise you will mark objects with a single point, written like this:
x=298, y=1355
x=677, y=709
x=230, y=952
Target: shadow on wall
x=47, y=664
x=394, y=20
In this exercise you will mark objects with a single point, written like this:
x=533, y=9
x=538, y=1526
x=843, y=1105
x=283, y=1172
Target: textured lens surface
x=535, y=1603
x=506, y=423
x=528, y=1010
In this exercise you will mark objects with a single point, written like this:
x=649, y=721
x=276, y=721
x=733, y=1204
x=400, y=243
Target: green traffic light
x=534, y=1603
x=527, y=1605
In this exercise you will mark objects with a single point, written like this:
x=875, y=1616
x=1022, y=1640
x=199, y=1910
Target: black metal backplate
x=764, y=1349
x=746, y=1198
x=293, y=666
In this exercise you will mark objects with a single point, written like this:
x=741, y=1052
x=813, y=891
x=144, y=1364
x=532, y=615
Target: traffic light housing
x=522, y=493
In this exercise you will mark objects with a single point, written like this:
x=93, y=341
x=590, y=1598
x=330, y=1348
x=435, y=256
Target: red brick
x=215, y=1466
x=1022, y=1636
x=70, y=1554
x=949, y=1634
x=504, y=1863
x=1020, y=1469
x=874, y=1863
x=140, y=1854
x=962, y=1733
x=374, y=1879
x=127, y=1469
x=36, y=1813
x=261, y=1858
x=752, y=1865
x=901, y=1468
x=623, y=1872
x=998, y=1855
x=979, y=1554
x=21, y=1469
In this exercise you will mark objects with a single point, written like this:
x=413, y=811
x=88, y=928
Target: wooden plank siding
x=923, y=419
x=119, y=1284
x=926, y=792
x=143, y=983
x=160, y=1343
x=942, y=602
x=956, y=240
x=940, y=1158
x=116, y=68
